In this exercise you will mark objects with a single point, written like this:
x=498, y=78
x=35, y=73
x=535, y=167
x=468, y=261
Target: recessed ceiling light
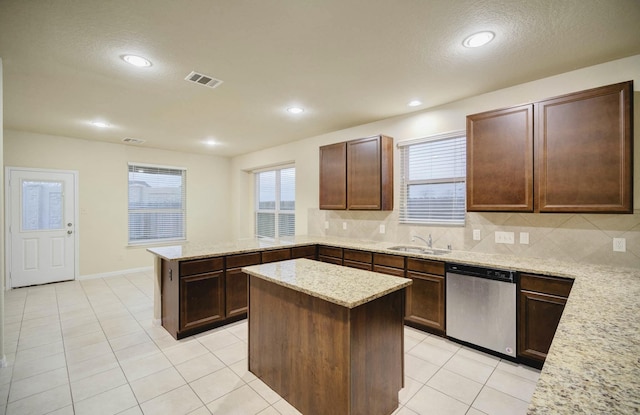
x=99, y=124
x=414, y=103
x=478, y=39
x=295, y=110
x=138, y=61
x=210, y=142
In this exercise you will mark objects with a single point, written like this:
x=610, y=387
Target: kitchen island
x=328, y=339
x=592, y=365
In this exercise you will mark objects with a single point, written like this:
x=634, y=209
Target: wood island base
x=324, y=358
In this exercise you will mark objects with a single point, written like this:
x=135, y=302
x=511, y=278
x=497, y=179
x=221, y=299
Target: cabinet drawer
x=243, y=260
x=276, y=255
x=546, y=284
x=200, y=266
x=393, y=261
x=426, y=266
x=356, y=264
x=330, y=251
x=303, y=251
x=397, y=272
x=359, y=256
x=330, y=259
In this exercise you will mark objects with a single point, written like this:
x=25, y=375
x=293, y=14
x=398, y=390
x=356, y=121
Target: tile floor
x=89, y=347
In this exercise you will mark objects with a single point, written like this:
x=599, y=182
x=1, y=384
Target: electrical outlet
x=344, y=226
x=382, y=228
x=505, y=238
x=524, y=238
x=619, y=245
x=476, y=235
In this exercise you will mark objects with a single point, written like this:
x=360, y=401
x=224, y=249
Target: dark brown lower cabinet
x=237, y=283
x=330, y=254
x=541, y=303
x=201, y=300
x=426, y=296
x=357, y=259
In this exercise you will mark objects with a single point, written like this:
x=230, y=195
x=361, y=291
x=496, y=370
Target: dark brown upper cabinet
x=584, y=151
x=357, y=174
x=571, y=153
x=500, y=160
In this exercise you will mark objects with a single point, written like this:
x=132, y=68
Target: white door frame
x=8, y=213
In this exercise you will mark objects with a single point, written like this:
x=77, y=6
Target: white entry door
x=42, y=231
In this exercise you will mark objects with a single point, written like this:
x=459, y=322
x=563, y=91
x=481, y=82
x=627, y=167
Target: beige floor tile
x=242, y=401
x=42, y=403
x=84, y=369
x=513, y=385
x=200, y=366
x=67, y=410
x=185, y=351
x=38, y=383
x=494, y=402
x=201, y=411
x=218, y=340
x=431, y=353
x=269, y=411
x=419, y=369
x=156, y=384
x=403, y=410
x=411, y=386
x=415, y=333
x=110, y=402
x=519, y=370
x=240, y=330
x=84, y=340
x=179, y=401
x=88, y=352
x=455, y=386
x=479, y=356
x=443, y=343
x=82, y=329
x=232, y=353
x=137, y=351
x=474, y=411
x=469, y=368
x=38, y=340
x=241, y=368
x=144, y=366
x=30, y=368
x=265, y=391
x=132, y=411
x=94, y=385
x=429, y=401
x=217, y=384
x=285, y=408
x=129, y=340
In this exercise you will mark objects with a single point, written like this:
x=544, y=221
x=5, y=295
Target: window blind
x=433, y=171
x=157, y=203
x=275, y=202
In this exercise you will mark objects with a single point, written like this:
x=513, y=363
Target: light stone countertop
x=593, y=366
x=347, y=287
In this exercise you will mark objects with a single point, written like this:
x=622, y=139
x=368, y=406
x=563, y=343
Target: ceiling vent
x=201, y=79
x=132, y=140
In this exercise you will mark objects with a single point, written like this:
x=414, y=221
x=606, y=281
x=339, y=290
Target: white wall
x=103, y=193
x=428, y=122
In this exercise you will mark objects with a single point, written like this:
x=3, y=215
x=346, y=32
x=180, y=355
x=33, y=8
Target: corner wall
x=583, y=238
x=103, y=193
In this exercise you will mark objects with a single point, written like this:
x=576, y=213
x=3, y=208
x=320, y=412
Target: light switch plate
x=524, y=238
x=505, y=238
x=476, y=234
x=382, y=228
x=344, y=226
x=619, y=245
x=326, y=224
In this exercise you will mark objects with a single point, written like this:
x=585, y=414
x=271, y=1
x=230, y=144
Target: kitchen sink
x=419, y=250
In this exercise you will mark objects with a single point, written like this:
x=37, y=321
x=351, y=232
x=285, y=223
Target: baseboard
x=115, y=273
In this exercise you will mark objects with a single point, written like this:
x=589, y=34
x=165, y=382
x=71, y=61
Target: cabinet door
x=333, y=176
x=369, y=185
x=237, y=288
x=425, y=301
x=584, y=150
x=500, y=160
x=201, y=299
x=538, y=320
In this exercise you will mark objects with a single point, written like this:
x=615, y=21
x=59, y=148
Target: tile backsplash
x=571, y=237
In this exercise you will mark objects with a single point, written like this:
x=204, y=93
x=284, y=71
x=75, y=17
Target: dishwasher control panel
x=481, y=272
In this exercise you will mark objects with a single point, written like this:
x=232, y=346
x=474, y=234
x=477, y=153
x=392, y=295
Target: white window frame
x=456, y=210
x=177, y=237
x=277, y=211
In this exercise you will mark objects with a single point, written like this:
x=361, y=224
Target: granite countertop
x=593, y=365
x=347, y=287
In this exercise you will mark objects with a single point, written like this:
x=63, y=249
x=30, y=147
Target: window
x=276, y=202
x=157, y=203
x=433, y=180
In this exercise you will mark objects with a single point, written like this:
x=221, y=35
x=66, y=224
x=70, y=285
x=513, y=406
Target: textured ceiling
x=347, y=62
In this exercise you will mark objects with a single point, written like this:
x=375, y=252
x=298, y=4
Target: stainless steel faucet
x=429, y=242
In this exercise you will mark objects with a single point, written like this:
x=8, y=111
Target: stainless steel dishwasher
x=481, y=307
